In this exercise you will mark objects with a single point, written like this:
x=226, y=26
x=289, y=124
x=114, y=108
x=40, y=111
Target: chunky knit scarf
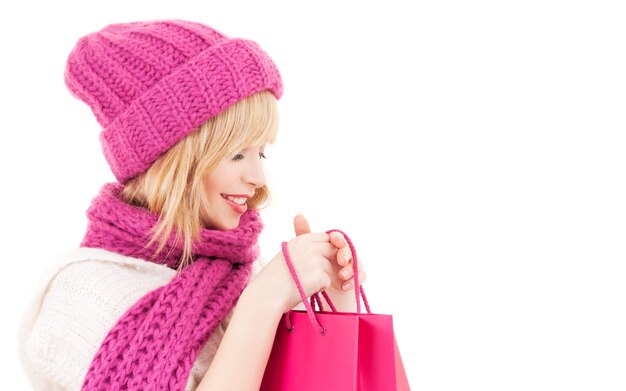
x=154, y=344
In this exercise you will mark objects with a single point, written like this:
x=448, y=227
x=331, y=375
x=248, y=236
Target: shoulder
x=95, y=272
x=78, y=300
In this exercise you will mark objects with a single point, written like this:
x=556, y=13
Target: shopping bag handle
x=359, y=293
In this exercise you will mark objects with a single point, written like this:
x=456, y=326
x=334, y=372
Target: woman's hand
x=342, y=276
x=312, y=256
x=320, y=262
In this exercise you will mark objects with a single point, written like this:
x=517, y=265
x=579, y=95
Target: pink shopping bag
x=334, y=351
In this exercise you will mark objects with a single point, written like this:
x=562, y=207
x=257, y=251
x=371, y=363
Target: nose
x=255, y=173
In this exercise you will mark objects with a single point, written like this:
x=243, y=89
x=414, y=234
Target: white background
x=473, y=150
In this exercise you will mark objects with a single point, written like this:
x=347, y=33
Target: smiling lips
x=237, y=202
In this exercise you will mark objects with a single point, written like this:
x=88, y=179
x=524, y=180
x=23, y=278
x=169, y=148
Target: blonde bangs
x=173, y=187
x=251, y=121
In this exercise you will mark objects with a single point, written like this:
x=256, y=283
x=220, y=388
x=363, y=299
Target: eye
x=238, y=156
x=262, y=155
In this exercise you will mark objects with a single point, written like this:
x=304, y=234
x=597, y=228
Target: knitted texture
x=154, y=345
x=150, y=84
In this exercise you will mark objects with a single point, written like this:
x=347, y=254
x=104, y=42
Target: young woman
x=165, y=291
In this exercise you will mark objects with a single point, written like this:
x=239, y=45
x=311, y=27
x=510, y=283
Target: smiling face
x=230, y=186
x=200, y=182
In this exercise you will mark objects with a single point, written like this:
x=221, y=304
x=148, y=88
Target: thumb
x=300, y=225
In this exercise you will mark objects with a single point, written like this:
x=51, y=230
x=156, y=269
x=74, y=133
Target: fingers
x=338, y=240
x=349, y=284
x=346, y=272
x=320, y=237
x=344, y=255
x=328, y=251
x=301, y=225
x=333, y=248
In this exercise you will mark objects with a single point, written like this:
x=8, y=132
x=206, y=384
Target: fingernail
x=346, y=258
x=347, y=286
x=345, y=273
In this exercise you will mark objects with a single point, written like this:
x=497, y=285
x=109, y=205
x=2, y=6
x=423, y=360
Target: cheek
x=212, y=183
x=215, y=184
x=220, y=178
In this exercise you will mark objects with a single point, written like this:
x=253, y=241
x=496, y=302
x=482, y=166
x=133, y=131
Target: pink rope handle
x=329, y=301
x=315, y=299
x=359, y=293
x=321, y=329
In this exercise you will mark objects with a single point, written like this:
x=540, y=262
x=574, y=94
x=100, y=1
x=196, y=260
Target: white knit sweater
x=77, y=302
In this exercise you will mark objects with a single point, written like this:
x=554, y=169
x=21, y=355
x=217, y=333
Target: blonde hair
x=173, y=186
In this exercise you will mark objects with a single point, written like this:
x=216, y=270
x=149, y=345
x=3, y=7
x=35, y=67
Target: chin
x=228, y=225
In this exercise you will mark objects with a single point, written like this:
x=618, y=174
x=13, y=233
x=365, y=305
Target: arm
x=240, y=360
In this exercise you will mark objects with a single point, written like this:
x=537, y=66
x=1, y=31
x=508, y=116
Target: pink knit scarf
x=155, y=343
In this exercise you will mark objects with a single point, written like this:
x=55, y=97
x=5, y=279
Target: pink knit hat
x=150, y=84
